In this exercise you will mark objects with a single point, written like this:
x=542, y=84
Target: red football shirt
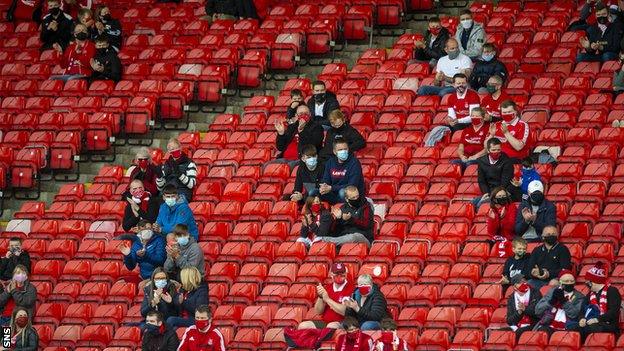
x=473, y=139
x=520, y=130
x=337, y=295
x=459, y=107
x=491, y=106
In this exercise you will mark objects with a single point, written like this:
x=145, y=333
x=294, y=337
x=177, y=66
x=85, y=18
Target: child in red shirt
x=354, y=339
x=389, y=340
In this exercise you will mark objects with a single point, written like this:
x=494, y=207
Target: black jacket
x=492, y=175
x=546, y=215
x=62, y=35
x=193, y=299
x=515, y=266
x=111, y=63
x=7, y=265
x=611, y=38
x=375, y=308
x=304, y=175
x=346, y=131
x=322, y=228
x=27, y=341
x=236, y=8
x=311, y=134
x=614, y=300
x=168, y=341
x=483, y=70
x=167, y=309
x=130, y=221
x=361, y=221
x=437, y=49
x=513, y=317
x=25, y=297
x=553, y=260
x=331, y=103
x=182, y=173
x=113, y=31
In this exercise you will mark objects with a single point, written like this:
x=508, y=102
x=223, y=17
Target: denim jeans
x=334, y=197
x=434, y=90
x=478, y=201
x=68, y=77
x=370, y=325
x=607, y=56
x=175, y=322
x=464, y=164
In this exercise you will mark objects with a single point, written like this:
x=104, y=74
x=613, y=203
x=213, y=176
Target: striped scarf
x=601, y=301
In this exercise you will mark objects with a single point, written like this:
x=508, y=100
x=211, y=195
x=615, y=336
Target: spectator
x=160, y=295
x=389, y=340
x=587, y=16
x=56, y=27
x=19, y=292
x=178, y=170
x=108, y=26
x=85, y=16
x=329, y=300
x=222, y=9
x=106, y=64
x=72, y=7
x=141, y=206
x=294, y=135
x=202, y=333
x=461, y=103
x=368, y=304
x=602, y=42
x=23, y=336
x=147, y=251
x=15, y=256
x=521, y=304
x=493, y=170
x=431, y=49
x=76, y=58
x=470, y=35
x=296, y=100
x=353, y=339
x=486, y=66
x=535, y=213
x=316, y=222
x=175, y=210
x=194, y=293
x=529, y=174
x=491, y=102
x=322, y=103
x=548, y=259
x=446, y=68
x=340, y=128
x=512, y=132
x=470, y=147
x=602, y=314
x=24, y=11
x=560, y=308
x=185, y=253
x=501, y=219
x=353, y=220
x=145, y=170
x=518, y=264
x=157, y=337
x=309, y=174
x=341, y=171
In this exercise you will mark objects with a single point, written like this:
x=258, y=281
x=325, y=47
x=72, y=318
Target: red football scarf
x=356, y=346
x=600, y=302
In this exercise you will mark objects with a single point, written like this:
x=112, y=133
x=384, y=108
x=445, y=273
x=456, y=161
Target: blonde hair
x=336, y=114
x=190, y=278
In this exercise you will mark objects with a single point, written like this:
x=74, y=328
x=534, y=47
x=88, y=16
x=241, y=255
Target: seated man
x=472, y=139
x=141, y=206
x=368, y=304
x=353, y=220
x=184, y=253
x=602, y=313
x=309, y=175
x=518, y=264
x=322, y=103
x=521, y=304
x=296, y=99
x=491, y=102
x=15, y=256
x=602, y=42
x=470, y=35
x=494, y=170
x=108, y=26
x=294, y=134
x=329, y=300
x=535, y=213
x=147, y=250
x=145, y=170
x=560, y=308
x=447, y=67
x=512, y=132
x=486, y=66
x=461, y=103
x=56, y=27
x=157, y=336
x=178, y=170
x=340, y=128
x=431, y=49
x=106, y=64
x=342, y=170
x=202, y=333
x=174, y=211
x=548, y=259
x=76, y=58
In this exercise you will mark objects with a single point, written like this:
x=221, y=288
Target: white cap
x=535, y=185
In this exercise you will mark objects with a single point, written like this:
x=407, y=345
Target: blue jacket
x=340, y=175
x=546, y=215
x=154, y=256
x=180, y=213
x=528, y=175
x=194, y=299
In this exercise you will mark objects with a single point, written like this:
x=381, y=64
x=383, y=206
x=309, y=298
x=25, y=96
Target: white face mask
x=466, y=23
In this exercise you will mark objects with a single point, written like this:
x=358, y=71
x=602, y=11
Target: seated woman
x=560, y=308
x=194, y=293
x=521, y=305
x=23, y=336
x=160, y=295
x=18, y=293
x=368, y=304
x=316, y=221
x=501, y=220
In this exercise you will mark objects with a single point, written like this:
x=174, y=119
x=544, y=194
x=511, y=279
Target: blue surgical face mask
x=183, y=240
x=487, y=57
x=342, y=155
x=160, y=283
x=170, y=201
x=311, y=162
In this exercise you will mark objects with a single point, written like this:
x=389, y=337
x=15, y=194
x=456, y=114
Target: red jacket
x=356, y=342
x=78, y=62
x=194, y=340
x=502, y=222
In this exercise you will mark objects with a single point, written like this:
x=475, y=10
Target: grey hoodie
x=191, y=255
x=475, y=40
x=572, y=308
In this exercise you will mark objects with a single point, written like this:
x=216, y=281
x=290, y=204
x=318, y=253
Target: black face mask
x=82, y=36
x=102, y=51
x=319, y=98
x=107, y=17
x=536, y=198
x=501, y=200
x=55, y=11
x=602, y=19
x=354, y=203
x=567, y=287
x=550, y=240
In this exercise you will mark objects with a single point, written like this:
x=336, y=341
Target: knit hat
x=564, y=272
x=535, y=185
x=597, y=274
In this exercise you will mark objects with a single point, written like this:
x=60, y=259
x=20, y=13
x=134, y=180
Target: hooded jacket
x=331, y=103
x=153, y=257
x=167, y=341
x=476, y=39
x=180, y=213
x=339, y=175
x=436, y=50
x=546, y=216
x=490, y=176
x=375, y=307
x=182, y=173
x=311, y=134
x=167, y=309
x=355, y=140
x=513, y=317
x=191, y=255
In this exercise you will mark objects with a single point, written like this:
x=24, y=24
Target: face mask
x=311, y=162
x=523, y=288
x=352, y=335
x=339, y=280
x=55, y=11
x=342, y=155
x=101, y=51
x=567, y=287
x=435, y=31
x=305, y=117
x=82, y=36
x=490, y=89
x=602, y=19
x=508, y=117
x=453, y=54
x=355, y=203
x=170, y=201
x=107, y=17
x=466, y=23
x=550, y=240
x=176, y=153
x=487, y=57
x=138, y=193
x=20, y=277
x=152, y=329
x=495, y=155
x=183, y=240
x=201, y=325
x=316, y=208
x=365, y=289
x=501, y=200
x=21, y=321
x=536, y=198
x=146, y=234
x=461, y=89
x=160, y=283
x=319, y=98
x=476, y=121
x=387, y=337
x=143, y=163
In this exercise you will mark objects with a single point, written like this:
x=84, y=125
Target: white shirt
x=452, y=67
x=318, y=109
